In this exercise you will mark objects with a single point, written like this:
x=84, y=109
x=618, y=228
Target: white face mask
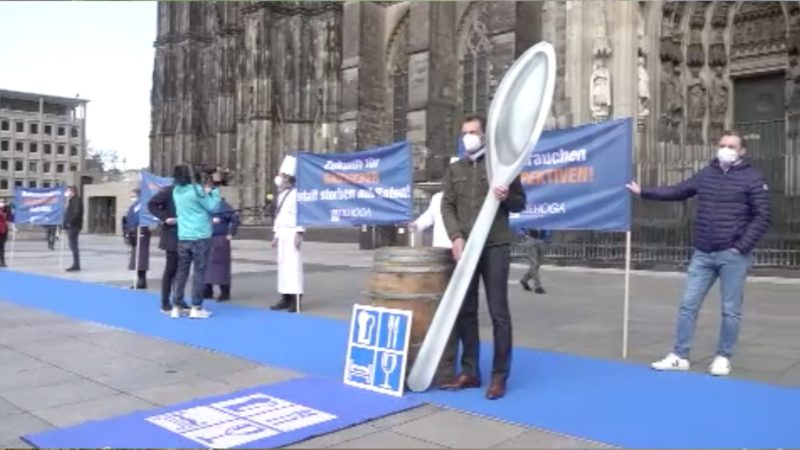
x=278, y=181
x=472, y=143
x=727, y=156
x=133, y=199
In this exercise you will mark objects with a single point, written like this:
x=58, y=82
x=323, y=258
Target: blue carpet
x=267, y=416
x=613, y=402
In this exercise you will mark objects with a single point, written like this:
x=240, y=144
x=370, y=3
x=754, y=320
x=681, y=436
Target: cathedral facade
x=240, y=84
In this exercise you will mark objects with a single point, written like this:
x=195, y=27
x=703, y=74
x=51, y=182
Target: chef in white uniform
x=433, y=217
x=288, y=239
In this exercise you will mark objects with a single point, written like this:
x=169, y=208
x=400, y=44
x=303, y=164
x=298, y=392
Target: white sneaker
x=199, y=313
x=176, y=312
x=720, y=367
x=671, y=362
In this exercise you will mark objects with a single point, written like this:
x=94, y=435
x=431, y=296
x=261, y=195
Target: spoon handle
x=430, y=353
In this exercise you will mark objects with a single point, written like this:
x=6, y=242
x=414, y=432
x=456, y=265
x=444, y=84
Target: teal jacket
x=194, y=208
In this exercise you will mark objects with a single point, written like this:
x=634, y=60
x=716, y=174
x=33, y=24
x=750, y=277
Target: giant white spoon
x=516, y=119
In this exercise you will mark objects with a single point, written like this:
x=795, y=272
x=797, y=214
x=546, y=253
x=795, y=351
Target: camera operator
x=195, y=198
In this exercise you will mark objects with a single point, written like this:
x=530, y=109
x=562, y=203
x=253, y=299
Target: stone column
x=623, y=18
x=361, y=116
x=578, y=61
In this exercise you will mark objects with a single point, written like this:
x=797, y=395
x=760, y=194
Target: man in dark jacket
x=162, y=207
x=733, y=214
x=465, y=186
x=73, y=223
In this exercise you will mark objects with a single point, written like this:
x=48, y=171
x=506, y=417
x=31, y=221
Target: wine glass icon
x=388, y=364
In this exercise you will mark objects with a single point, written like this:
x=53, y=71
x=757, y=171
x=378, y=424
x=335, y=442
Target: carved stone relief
x=600, y=80
x=696, y=113
x=643, y=88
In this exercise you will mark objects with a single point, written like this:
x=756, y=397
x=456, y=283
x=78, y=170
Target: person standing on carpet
x=194, y=203
x=433, y=217
x=288, y=238
x=138, y=239
x=733, y=214
x=162, y=207
x=225, y=223
x=465, y=185
x=6, y=224
x=73, y=223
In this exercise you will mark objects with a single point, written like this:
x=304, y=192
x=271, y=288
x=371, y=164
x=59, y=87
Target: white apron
x=433, y=216
x=290, y=260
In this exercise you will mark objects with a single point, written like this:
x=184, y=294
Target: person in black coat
x=162, y=207
x=73, y=223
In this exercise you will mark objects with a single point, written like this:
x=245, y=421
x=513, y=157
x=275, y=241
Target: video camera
x=208, y=176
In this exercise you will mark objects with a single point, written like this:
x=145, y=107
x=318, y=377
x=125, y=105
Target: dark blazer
x=73, y=217
x=162, y=207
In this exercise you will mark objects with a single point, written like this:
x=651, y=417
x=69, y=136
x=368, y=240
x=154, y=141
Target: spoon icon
x=516, y=118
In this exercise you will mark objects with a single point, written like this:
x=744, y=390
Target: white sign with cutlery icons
x=377, y=349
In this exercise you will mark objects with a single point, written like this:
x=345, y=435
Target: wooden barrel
x=413, y=279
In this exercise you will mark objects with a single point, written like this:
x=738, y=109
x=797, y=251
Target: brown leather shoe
x=497, y=389
x=462, y=381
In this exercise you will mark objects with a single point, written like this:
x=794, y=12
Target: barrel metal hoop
x=393, y=296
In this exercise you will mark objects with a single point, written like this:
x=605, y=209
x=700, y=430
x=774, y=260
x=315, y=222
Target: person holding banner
x=138, y=239
x=733, y=214
x=73, y=223
x=6, y=223
x=225, y=223
x=194, y=203
x=288, y=238
x=465, y=185
x=433, y=217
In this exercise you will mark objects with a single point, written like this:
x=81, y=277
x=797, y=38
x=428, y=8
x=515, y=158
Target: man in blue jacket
x=733, y=214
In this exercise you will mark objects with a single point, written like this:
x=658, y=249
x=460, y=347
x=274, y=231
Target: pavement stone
x=544, y=439
x=386, y=439
x=170, y=394
x=43, y=397
x=344, y=436
x=11, y=381
x=255, y=377
x=12, y=427
x=75, y=413
x=450, y=428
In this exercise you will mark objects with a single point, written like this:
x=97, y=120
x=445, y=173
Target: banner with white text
x=149, y=185
x=575, y=179
x=370, y=187
x=39, y=206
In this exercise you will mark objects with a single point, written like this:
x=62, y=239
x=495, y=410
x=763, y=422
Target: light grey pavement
x=56, y=372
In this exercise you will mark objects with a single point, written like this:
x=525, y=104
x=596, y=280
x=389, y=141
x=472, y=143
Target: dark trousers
x=3, y=238
x=191, y=253
x=51, y=237
x=170, y=270
x=72, y=234
x=493, y=268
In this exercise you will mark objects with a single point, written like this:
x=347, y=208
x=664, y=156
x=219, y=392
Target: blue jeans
x=191, y=253
x=731, y=268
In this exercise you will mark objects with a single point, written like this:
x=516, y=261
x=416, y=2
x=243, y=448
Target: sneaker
x=671, y=362
x=525, y=285
x=720, y=367
x=199, y=313
x=176, y=313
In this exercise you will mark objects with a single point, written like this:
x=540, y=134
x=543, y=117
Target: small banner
x=370, y=187
x=40, y=206
x=149, y=185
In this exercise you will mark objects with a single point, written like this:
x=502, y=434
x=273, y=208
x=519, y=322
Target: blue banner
x=39, y=206
x=575, y=179
x=370, y=187
x=149, y=185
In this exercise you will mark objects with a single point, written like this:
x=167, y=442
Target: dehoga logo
x=337, y=214
x=547, y=208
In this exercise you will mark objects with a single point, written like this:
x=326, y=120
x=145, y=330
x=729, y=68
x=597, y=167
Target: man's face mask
x=472, y=142
x=278, y=181
x=727, y=155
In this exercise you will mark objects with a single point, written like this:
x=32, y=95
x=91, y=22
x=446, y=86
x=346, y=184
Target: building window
x=4, y=184
x=62, y=131
x=46, y=166
x=20, y=147
x=48, y=149
x=399, y=102
x=32, y=166
x=48, y=130
x=33, y=147
x=32, y=183
x=4, y=125
x=4, y=146
x=60, y=149
x=60, y=168
x=20, y=127
x=18, y=166
x=34, y=127
x=73, y=150
x=3, y=165
x=74, y=132
x=476, y=68
x=73, y=167
x=45, y=184
x=18, y=183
